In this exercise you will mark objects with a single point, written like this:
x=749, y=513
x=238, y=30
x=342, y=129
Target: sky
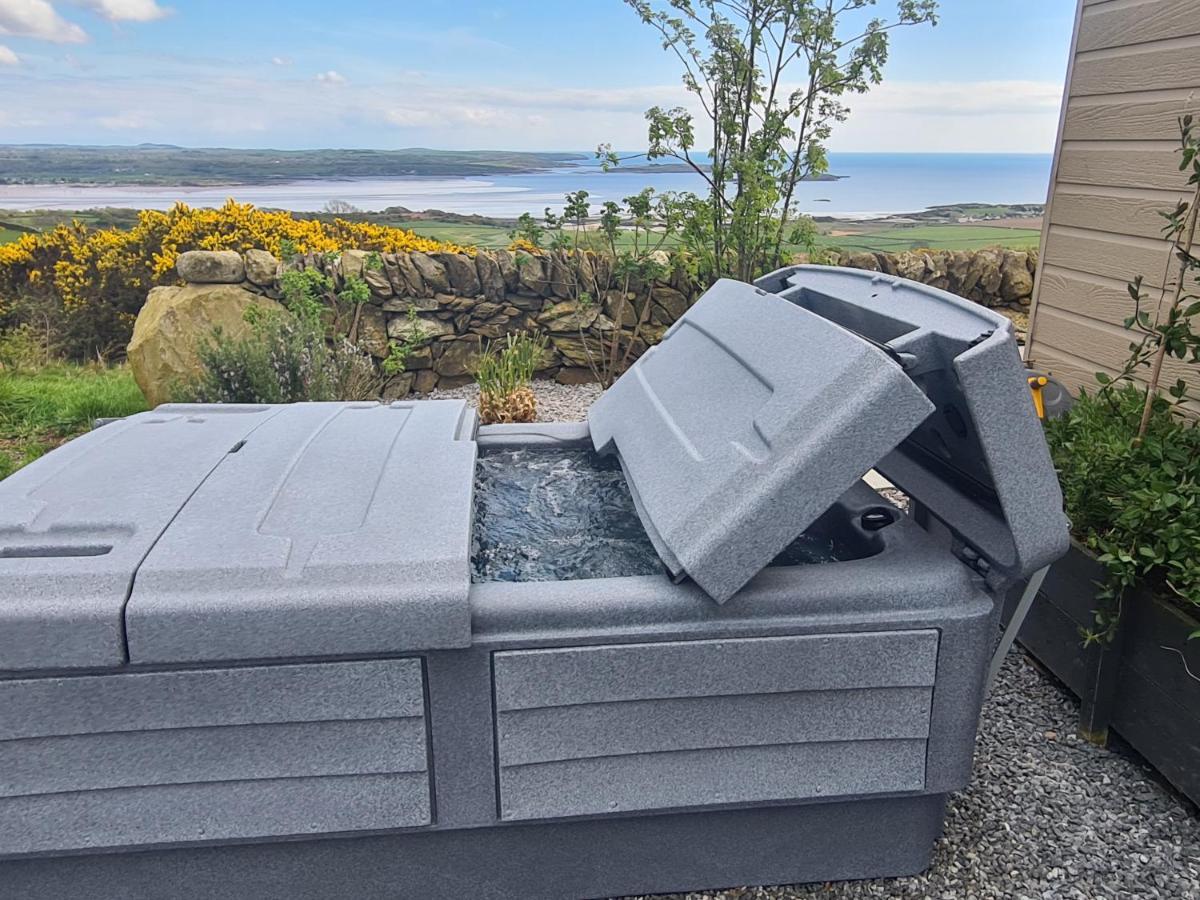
x=475, y=74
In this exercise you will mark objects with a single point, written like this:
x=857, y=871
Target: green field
x=941, y=237
x=882, y=236
x=40, y=410
x=885, y=238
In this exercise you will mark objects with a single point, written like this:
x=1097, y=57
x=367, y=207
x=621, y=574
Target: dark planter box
x=1145, y=684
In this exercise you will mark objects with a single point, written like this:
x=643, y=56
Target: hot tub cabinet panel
x=599, y=730
x=253, y=651
x=123, y=760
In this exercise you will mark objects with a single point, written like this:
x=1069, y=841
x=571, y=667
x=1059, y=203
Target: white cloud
x=203, y=104
x=38, y=19
x=953, y=117
x=125, y=10
x=280, y=61
x=8, y=58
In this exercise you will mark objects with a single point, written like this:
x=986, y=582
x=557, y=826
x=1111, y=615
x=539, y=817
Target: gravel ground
x=1047, y=815
x=556, y=402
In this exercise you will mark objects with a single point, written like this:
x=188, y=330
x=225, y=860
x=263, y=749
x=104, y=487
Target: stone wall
x=460, y=302
x=994, y=277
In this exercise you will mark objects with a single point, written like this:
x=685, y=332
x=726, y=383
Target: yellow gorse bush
x=101, y=276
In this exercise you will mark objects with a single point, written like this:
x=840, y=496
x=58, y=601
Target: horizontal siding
x=1077, y=373
x=1104, y=345
x=1118, y=211
x=1111, y=256
x=588, y=730
x=113, y=760
x=1150, y=164
x=1124, y=117
x=1103, y=299
x=711, y=777
x=1145, y=67
x=1121, y=24
x=1135, y=71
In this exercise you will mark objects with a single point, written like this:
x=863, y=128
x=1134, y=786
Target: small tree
x=1171, y=332
x=632, y=238
x=741, y=59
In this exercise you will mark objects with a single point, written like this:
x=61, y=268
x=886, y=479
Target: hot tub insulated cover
x=744, y=424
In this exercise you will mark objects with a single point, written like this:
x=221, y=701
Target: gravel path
x=1047, y=815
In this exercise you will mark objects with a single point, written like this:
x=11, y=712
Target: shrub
x=1135, y=504
x=96, y=280
x=24, y=349
x=1129, y=457
x=283, y=358
x=504, y=374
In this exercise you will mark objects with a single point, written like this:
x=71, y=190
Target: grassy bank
x=40, y=410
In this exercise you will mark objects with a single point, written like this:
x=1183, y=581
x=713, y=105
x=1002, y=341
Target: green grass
x=492, y=237
x=7, y=235
x=939, y=237
x=889, y=238
x=40, y=410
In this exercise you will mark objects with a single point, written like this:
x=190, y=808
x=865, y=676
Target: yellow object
x=1036, y=383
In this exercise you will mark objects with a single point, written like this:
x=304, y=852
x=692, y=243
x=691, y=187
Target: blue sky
x=515, y=74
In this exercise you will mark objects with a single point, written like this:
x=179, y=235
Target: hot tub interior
x=567, y=514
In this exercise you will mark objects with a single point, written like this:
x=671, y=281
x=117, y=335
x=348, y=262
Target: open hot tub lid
x=979, y=465
x=744, y=425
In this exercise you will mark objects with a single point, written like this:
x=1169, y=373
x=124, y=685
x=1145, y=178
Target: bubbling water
x=556, y=515
x=561, y=515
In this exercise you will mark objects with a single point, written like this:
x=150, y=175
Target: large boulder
x=211, y=267
x=171, y=324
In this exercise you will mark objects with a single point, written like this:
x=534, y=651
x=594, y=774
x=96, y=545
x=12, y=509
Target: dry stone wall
x=458, y=302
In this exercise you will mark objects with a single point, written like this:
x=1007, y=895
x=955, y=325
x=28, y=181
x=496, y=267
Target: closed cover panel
x=124, y=760
x=337, y=528
x=595, y=730
x=75, y=525
x=745, y=424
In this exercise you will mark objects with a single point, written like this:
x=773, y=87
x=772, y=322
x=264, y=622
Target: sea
x=869, y=185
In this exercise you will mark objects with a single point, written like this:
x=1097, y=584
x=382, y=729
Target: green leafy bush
x=284, y=358
x=1136, y=504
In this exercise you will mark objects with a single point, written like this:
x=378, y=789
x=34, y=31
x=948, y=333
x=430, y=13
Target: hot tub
x=377, y=650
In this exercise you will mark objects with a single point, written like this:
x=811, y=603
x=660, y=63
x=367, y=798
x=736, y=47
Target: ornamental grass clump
x=504, y=374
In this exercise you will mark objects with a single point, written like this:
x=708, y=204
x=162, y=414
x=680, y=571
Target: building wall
x=1135, y=68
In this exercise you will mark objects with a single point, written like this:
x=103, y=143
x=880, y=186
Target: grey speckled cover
x=744, y=425
x=980, y=464
x=75, y=525
x=337, y=528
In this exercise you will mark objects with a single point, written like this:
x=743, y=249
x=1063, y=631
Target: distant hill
x=168, y=165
